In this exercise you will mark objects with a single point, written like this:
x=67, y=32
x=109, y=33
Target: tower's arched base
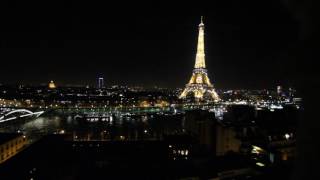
x=200, y=92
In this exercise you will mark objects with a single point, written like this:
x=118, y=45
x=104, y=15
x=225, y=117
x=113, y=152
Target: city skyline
x=149, y=49
x=177, y=90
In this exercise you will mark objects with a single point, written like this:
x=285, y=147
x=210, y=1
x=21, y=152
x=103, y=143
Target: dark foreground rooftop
x=55, y=158
x=5, y=137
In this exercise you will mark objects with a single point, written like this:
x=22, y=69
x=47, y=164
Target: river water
x=133, y=127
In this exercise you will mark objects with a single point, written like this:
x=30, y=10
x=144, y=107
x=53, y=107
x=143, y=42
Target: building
x=200, y=124
x=279, y=90
x=180, y=146
x=100, y=82
x=10, y=145
x=226, y=140
x=51, y=85
x=211, y=133
x=199, y=85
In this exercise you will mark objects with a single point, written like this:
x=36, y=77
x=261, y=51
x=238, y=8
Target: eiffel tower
x=199, y=85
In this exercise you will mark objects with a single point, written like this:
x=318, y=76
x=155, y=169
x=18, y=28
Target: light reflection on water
x=130, y=127
x=35, y=128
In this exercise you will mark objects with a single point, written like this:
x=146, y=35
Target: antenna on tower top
x=201, y=19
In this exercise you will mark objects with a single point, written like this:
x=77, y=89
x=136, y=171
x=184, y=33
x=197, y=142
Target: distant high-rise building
x=100, y=82
x=199, y=85
x=279, y=90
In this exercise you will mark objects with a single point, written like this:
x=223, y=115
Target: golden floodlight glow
x=52, y=85
x=161, y=103
x=145, y=104
x=199, y=84
x=200, y=57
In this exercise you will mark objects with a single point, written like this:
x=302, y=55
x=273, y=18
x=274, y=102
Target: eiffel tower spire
x=199, y=84
x=200, y=57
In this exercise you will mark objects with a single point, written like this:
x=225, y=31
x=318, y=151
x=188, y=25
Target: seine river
x=129, y=127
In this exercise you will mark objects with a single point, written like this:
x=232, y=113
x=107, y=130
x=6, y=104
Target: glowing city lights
x=199, y=84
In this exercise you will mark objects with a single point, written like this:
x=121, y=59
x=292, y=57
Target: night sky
x=248, y=44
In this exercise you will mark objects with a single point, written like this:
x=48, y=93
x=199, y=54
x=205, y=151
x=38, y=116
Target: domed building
x=51, y=85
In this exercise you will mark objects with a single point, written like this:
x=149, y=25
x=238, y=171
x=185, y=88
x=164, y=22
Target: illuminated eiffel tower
x=199, y=85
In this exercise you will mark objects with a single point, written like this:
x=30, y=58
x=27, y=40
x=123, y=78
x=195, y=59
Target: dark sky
x=248, y=44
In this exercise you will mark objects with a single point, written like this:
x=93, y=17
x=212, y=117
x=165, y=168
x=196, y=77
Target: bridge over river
x=8, y=114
